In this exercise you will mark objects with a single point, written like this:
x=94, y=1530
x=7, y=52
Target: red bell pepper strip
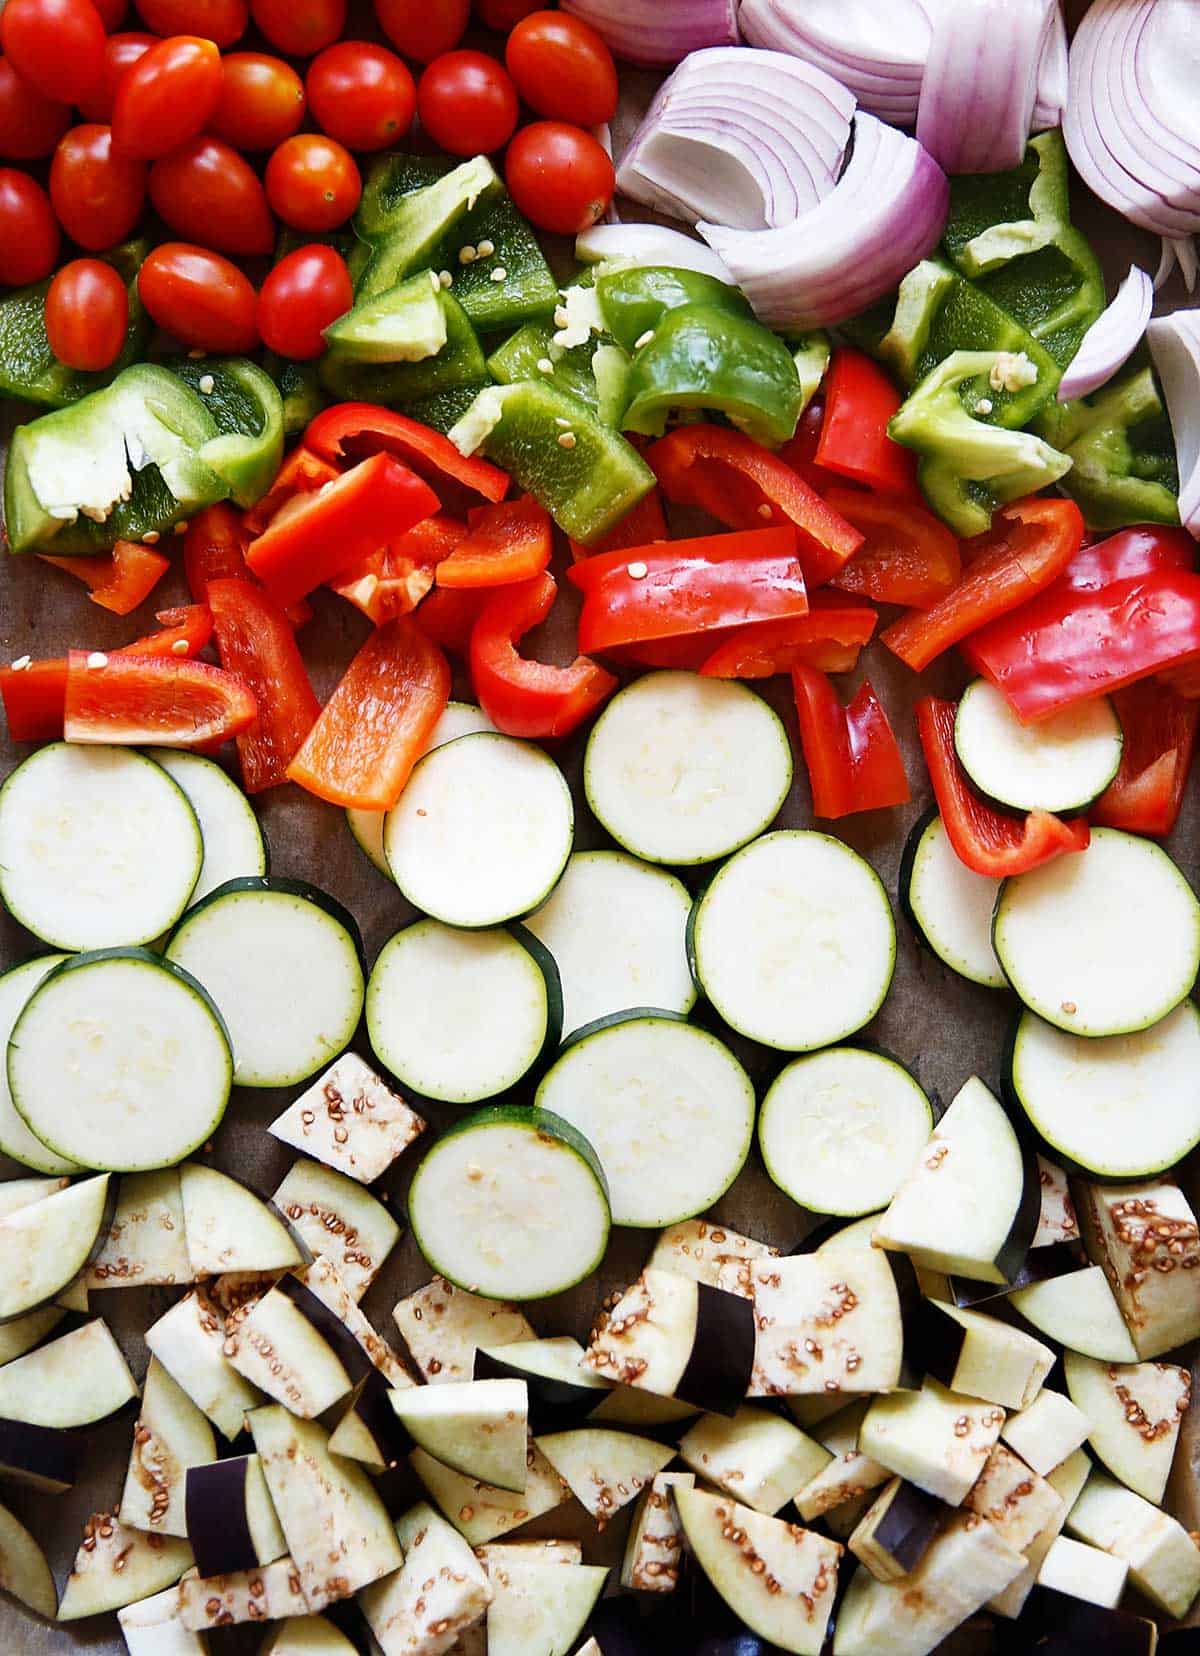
x=183, y=631
x=302, y=472
x=505, y=543
x=1030, y=543
x=529, y=698
x=853, y=759
x=745, y=486
x=644, y=522
x=448, y=616
x=375, y=726
x=678, y=587
x=350, y=430
x=1075, y=641
x=830, y=637
x=986, y=840
x=256, y=641
x=860, y=399
x=1160, y=737
x=214, y=548
x=119, y=580
x=908, y=556
x=393, y=579
x=153, y=700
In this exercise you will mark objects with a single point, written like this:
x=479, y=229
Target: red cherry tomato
x=300, y=27
x=29, y=238
x=261, y=102
x=221, y=21
x=563, y=69
x=559, y=176
x=467, y=103
x=97, y=195
x=87, y=313
x=313, y=182
x=56, y=45
x=503, y=15
x=208, y=193
x=305, y=292
x=423, y=29
x=30, y=124
x=362, y=95
x=199, y=297
x=112, y=14
x=120, y=52
x=166, y=97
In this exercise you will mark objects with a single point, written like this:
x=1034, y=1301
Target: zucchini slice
x=16, y=1140
x=233, y=841
x=949, y=905
x=1060, y=764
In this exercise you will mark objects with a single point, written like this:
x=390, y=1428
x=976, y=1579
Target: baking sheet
x=943, y=1027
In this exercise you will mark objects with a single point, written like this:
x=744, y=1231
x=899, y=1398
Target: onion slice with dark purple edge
x=746, y=138
x=648, y=244
x=980, y=85
x=1174, y=343
x=884, y=215
x=657, y=34
x=1109, y=342
x=880, y=58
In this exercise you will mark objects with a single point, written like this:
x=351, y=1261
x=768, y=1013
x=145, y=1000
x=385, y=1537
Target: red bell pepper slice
x=303, y=472
x=448, y=616
x=1030, y=543
x=529, y=698
x=908, y=556
x=1098, y=628
x=393, y=579
x=1160, y=737
x=350, y=430
x=214, y=548
x=644, y=522
x=860, y=399
x=830, y=637
x=183, y=631
x=745, y=486
x=852, y=756
x=505, y=543
x=375, y=726
x=688, y=586
x=154, y=700
x=986, y=840
x=316, y=536
x=256, y=641
x=119, y=580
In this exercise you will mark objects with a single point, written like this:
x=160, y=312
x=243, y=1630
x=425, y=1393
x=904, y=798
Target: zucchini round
x=948, y=905
x=1060, y=764
x=233, y=841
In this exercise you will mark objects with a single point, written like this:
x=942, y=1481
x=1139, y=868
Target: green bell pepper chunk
x=702, y=357
x=403, y=232
x=444, y=409
x=1123, y=467
x=428, y=367
x=905, y=347
x=810, y=353
x=30, y=370
x=634, y=301
x=585, y=474
x=299, y=386
x=969, y=466
x=570, y=368
x=248, y=410
x=408, y=323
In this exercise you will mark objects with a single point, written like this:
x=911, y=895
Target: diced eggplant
x=1045, y=1433
x=228, y=1227
x=444, y=1326
x=1066, y=1481
x=777, y=1578
x=980, y=1356
x=46, y=1458
x=1057, y=1219
x=351, y=1120
x=897, y=1530
x=152, y=1627
x=1146, y=1240
x=21, y=1335
x=757, y=1457
x=562, y=1389
x=477, y=1427
x=116, y=1566
x=1039, y=1265
x=604, y=1470
x=337, y=1529
x=1083, y=1572
x=438, y=1592
x=935, y=1438
x=826, y=1322
x=234, y=1292
x=1164, y=1562
x=480, y=1511
x=701, y=1248
x=369, y=1430
x=269, y=1594
x=652, y=1551
x=338, y=1220
x=677, y=1337
x=231, y=1519
x=170, y=1436
x=1016, y=1502
x=1135, y=1410
x=537, y=1606
x=1078, y=1311
x=189, y=1342
x=74, y=1297
x=627, y=1406
x=144, y=1242
x=73, y=1381
x=850, y=1473
x=541, y=1552
x=45, y=1244
x=306, y=1636
x=24, y=1573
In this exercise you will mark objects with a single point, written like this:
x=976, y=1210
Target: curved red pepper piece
x=119, y=580
x=830, y=637
x=908, y=556
x=302, y=472
x=351, y=430
x=644, y=522
x=153, y=700
x=1160, y=737
x=529, y=698
x=505, y=543
x=255, y=640
x=853, y=759
x=860, y=399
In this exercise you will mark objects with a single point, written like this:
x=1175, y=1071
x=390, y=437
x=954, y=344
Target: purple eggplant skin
x=1041, y=1264
x=620, y=1628
x=1056, y=1624
x=218, y=1525
x=554, y=1405
x=45, y=1457
x=718, y=1371
x=376, y=1413
x=909, y=1526
x=938, y=1341
x=330, y=1327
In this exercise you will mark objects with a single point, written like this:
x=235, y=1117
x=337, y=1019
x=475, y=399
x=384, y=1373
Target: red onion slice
x=648, y=244
x=980, y=84
x=659, y=33
x=1175, y=346
x=1111, y=339
x=882, y=67
x=1052, y=76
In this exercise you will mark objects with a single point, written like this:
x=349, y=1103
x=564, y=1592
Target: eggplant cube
x=604, y=1470
x=444, y=1326
x=231, y=1521
x=1046, y=1432
x=438, y=1593
x=849, y=1474
x=759, y=1458
x=1135, y=1412
x=1146, y=1238
x=1084, y=1572
x=1057, y=1218
x=480, y=1511
x=982, y=1357
x=1066, y=1481
x=937, y=1439
x=351, y=1120
x=1163, y=1560
x=827, y=1323
x=268, y=1594
x=896, y=1531
x=702, y=1249
x=1014, y=1499
x=338, y=1220
x=655, y=1544
x=116, y=1566
x=677, y=1337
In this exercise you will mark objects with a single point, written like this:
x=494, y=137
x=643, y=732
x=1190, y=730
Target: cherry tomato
x=97, y=195
x=199, y=297
x=29, y=236
x=112, y=13
x=559, y=176
x=305, y=292
x=503, y=15
x=423, y=29
x=300, y=27
x=362, y=95
x=87, y=313
x=221, y=21
x=467, y=103
x=120, y=52
x=57, y=45
x=30, y=124
x=313, y=182
x=563, y=69
x=261, y=102
x=207, y=192
x=166, y=97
